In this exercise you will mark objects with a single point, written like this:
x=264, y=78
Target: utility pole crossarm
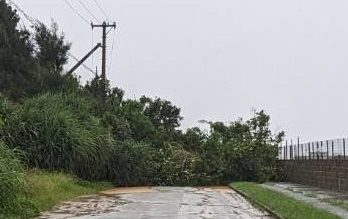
x=83, y=59
x=113, y=25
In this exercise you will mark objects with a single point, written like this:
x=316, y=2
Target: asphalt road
x=160, y=203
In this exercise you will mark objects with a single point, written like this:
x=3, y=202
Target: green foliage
x=132, y=164
x=241, y=150
x=58, y=132
x=12, y=183
x=162, y=113
x=24, y=72
x=52, y=48
x=193, y=139
x=17, y=68
x=283, y=205
x=141, y=128
x=135, y=164
x=174, y=165
x=95, y=88
x=46, y=190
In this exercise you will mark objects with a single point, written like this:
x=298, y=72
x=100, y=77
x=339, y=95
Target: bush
x=60, y=132
x=240, y=151
x=137, y=163
x=132, y=164
x=175, y=166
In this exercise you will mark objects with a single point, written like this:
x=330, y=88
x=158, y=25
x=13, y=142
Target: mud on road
x=159, y=203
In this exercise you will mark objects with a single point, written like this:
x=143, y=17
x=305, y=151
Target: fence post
x=280, y=152
x=298, y=148
x=344, y=148
x=284, y=152
x=339, y=149
x=303, y=157
x=291, y=149
x=309, y=151
x=321, y=150
x=317, y=150
x=313, y=150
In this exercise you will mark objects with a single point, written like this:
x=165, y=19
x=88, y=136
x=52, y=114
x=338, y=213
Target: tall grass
x=60, y=132
x=11, y=182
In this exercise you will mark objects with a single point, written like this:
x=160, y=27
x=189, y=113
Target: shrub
x=175, y=166
x=138, y=163
x=240, y=151
x=132, y=164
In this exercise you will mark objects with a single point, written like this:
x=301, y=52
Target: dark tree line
x=31, y=61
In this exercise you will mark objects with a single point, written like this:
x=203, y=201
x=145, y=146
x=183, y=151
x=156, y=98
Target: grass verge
x=337, y=202
x=49, y=189
x=45, y=190
x=280, y=204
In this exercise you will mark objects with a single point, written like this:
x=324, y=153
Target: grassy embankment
x=280, y=204
x=46, y=190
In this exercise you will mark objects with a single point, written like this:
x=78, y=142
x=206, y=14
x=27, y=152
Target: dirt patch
x=87, y=205
x=126, y=190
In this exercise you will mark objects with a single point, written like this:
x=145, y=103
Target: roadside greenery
x=58, y=132
x=45, y=190
x=11, y=182
x=282, y=205
x=49, y=121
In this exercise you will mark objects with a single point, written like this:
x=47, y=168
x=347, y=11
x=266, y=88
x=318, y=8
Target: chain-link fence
x=329, y=149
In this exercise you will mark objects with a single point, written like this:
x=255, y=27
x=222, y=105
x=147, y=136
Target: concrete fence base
x=328, y=174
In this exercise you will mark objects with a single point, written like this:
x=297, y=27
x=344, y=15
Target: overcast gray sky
x=218, y=60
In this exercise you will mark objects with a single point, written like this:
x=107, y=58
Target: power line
x=92, y=45
x=112, y=50
x=86, y=21
x=30, y=19
x=88, y=11
x=76, y=12
x=102, y=10
x=34, y=21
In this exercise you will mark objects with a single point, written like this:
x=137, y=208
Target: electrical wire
x=88, y=11
x=77, y=12
x=30, y=19
x=112, y=51
x=102, y=10
x=92, y=46
x=34, y=21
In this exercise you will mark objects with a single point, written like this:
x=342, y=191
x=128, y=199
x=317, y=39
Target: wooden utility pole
x=105, y=26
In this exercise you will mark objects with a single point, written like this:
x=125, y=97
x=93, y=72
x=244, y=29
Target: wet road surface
x=158, y=203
